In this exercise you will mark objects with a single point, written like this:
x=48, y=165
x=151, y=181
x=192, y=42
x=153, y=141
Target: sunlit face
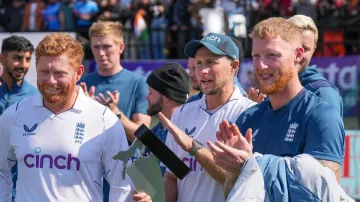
x=106, y=52
x=213, y=72
x=16, y=64
x=274, y=64
x=155, y=100
x=56, y=78
x=308, y=43
x=192, y=75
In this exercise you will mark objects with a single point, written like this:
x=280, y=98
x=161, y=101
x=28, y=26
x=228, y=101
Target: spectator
x=52, y=16
x=66, y=16
x=33, y=19
x=84, y=12
x=142, y=34
x=13, y=16
x=109, y=10
x=158, y=29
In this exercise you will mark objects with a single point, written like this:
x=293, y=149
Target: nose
x=147, y=97
x=101, y=52
x=50, y=80
x=261, y=64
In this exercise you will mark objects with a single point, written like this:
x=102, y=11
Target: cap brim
x=193, y=45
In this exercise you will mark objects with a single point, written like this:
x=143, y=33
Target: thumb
x=163, y=119
x=92, y=91
x=248, y=137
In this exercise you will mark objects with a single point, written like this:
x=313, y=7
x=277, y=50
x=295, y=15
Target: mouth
x=265, y=77
x=207, y=81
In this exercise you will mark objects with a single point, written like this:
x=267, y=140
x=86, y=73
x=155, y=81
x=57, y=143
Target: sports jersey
x=199, y=95
x=131, y=86
x=202, y=124
x=61, y=157
x=315, y=82
x=304, y=125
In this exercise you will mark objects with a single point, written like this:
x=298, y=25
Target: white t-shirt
x=62, y=157
x=200, y=124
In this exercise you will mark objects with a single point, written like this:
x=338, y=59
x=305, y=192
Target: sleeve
x=120, y=190
x=332, y=97
x=7, y=157
x=292, y=178
x=325, y=134
x=141, y=104
x=249, y=186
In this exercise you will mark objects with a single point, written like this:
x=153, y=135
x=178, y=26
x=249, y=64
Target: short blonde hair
x=103, y=28
x=305, y=23
x=56, y=44
x=276, y=27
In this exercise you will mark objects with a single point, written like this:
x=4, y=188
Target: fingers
x=235, y=130
x=227, y=126
x=248, y=137
x=92, y=91
x=222, y=132
x=84, y=88
x=102, y=98
x=111, y=96
x=141, y=197
x=219, y=137
x=214, y=149
x=226, y=148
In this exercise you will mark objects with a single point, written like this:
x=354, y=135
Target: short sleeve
x=325, y=134
x=332, y=97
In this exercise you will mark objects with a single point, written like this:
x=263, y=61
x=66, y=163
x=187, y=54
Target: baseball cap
x=216, y=43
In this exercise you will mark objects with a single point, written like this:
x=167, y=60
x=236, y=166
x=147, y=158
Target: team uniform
x=202, y=124
x=267, y=178
x=315, y=82
x=305, y=125
x=61, y=157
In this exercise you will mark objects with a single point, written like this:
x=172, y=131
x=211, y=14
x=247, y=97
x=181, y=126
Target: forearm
x=229, y=184
x=130, y=128
x=206, y=160
x=333, y=166
x=171, y=192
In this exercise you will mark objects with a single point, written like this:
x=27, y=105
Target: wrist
x=195, y=147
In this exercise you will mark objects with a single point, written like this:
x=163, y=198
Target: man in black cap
x=168, y=89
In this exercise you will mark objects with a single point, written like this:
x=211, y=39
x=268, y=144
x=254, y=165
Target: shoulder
x=132, y=76
x=89, y=77
x=252, y=112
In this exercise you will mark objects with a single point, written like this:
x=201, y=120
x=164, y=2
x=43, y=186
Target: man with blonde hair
x=62, y=140
x=310, y=78
x=123, y=91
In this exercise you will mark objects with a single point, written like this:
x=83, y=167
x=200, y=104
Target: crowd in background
x=158, y=29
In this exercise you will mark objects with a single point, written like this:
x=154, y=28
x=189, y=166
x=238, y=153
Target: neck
x=280, y=99
x=60, y=107
x=9, y=81
x=168, y=111
x=219, y=98
x=112, y=71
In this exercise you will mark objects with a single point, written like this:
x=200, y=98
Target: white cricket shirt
x=61, y=157
x=200, y=124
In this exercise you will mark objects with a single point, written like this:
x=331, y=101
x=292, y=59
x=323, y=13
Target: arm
x=325, y=136
x=130, y=126
x=170, y=181
x=115, y=141
x=7, y=158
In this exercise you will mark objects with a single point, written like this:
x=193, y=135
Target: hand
x=256, y=96
x=182, y=139
x=141, y=197
x=90, y=93
x=231, y=149
x=107, y=14
x=111, y=102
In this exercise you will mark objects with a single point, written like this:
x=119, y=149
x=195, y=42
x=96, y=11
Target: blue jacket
x=315, y=82
x=7, y=98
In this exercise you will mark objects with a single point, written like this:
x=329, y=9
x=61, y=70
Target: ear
x=2, y=59
x=235, y=66
x=299, y=54
x=79, y=72
x=122, y=48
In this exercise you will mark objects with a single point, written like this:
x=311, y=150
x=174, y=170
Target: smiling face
x=56, y=78
x=213, y=72
x=16, y=64
x=274, y=66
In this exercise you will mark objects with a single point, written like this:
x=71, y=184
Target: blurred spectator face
x=106, y=51
x=113, y=2
x=273, y=61
x=212, y=71
x=308, y=43
x=16, y=64
x=155, y=102
x=192, y=75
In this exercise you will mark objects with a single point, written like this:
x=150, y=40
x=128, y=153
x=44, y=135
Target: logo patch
x=30, y=131
x=79, y=132
x=291, y=132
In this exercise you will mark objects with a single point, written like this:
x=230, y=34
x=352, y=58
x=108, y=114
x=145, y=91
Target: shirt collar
x=78, y=105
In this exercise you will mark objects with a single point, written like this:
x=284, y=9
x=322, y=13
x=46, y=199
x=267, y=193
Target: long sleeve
x=120, y=190
x=7, y=157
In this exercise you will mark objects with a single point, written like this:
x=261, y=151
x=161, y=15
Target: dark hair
x=16, y=43
x=240, y=47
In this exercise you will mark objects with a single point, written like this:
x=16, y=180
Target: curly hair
x=56, y=44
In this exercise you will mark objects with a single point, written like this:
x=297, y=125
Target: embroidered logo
x=30, y=131
x=291, y=132
x=254, y=134
x=189, y=133
x=79, y=132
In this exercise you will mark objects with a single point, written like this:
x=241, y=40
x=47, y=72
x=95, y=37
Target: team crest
x=79, y=132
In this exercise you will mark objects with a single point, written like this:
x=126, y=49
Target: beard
x=17, y=74
x=217, y=86
x=155, y=108
x=61, y=96
x=282, y=78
